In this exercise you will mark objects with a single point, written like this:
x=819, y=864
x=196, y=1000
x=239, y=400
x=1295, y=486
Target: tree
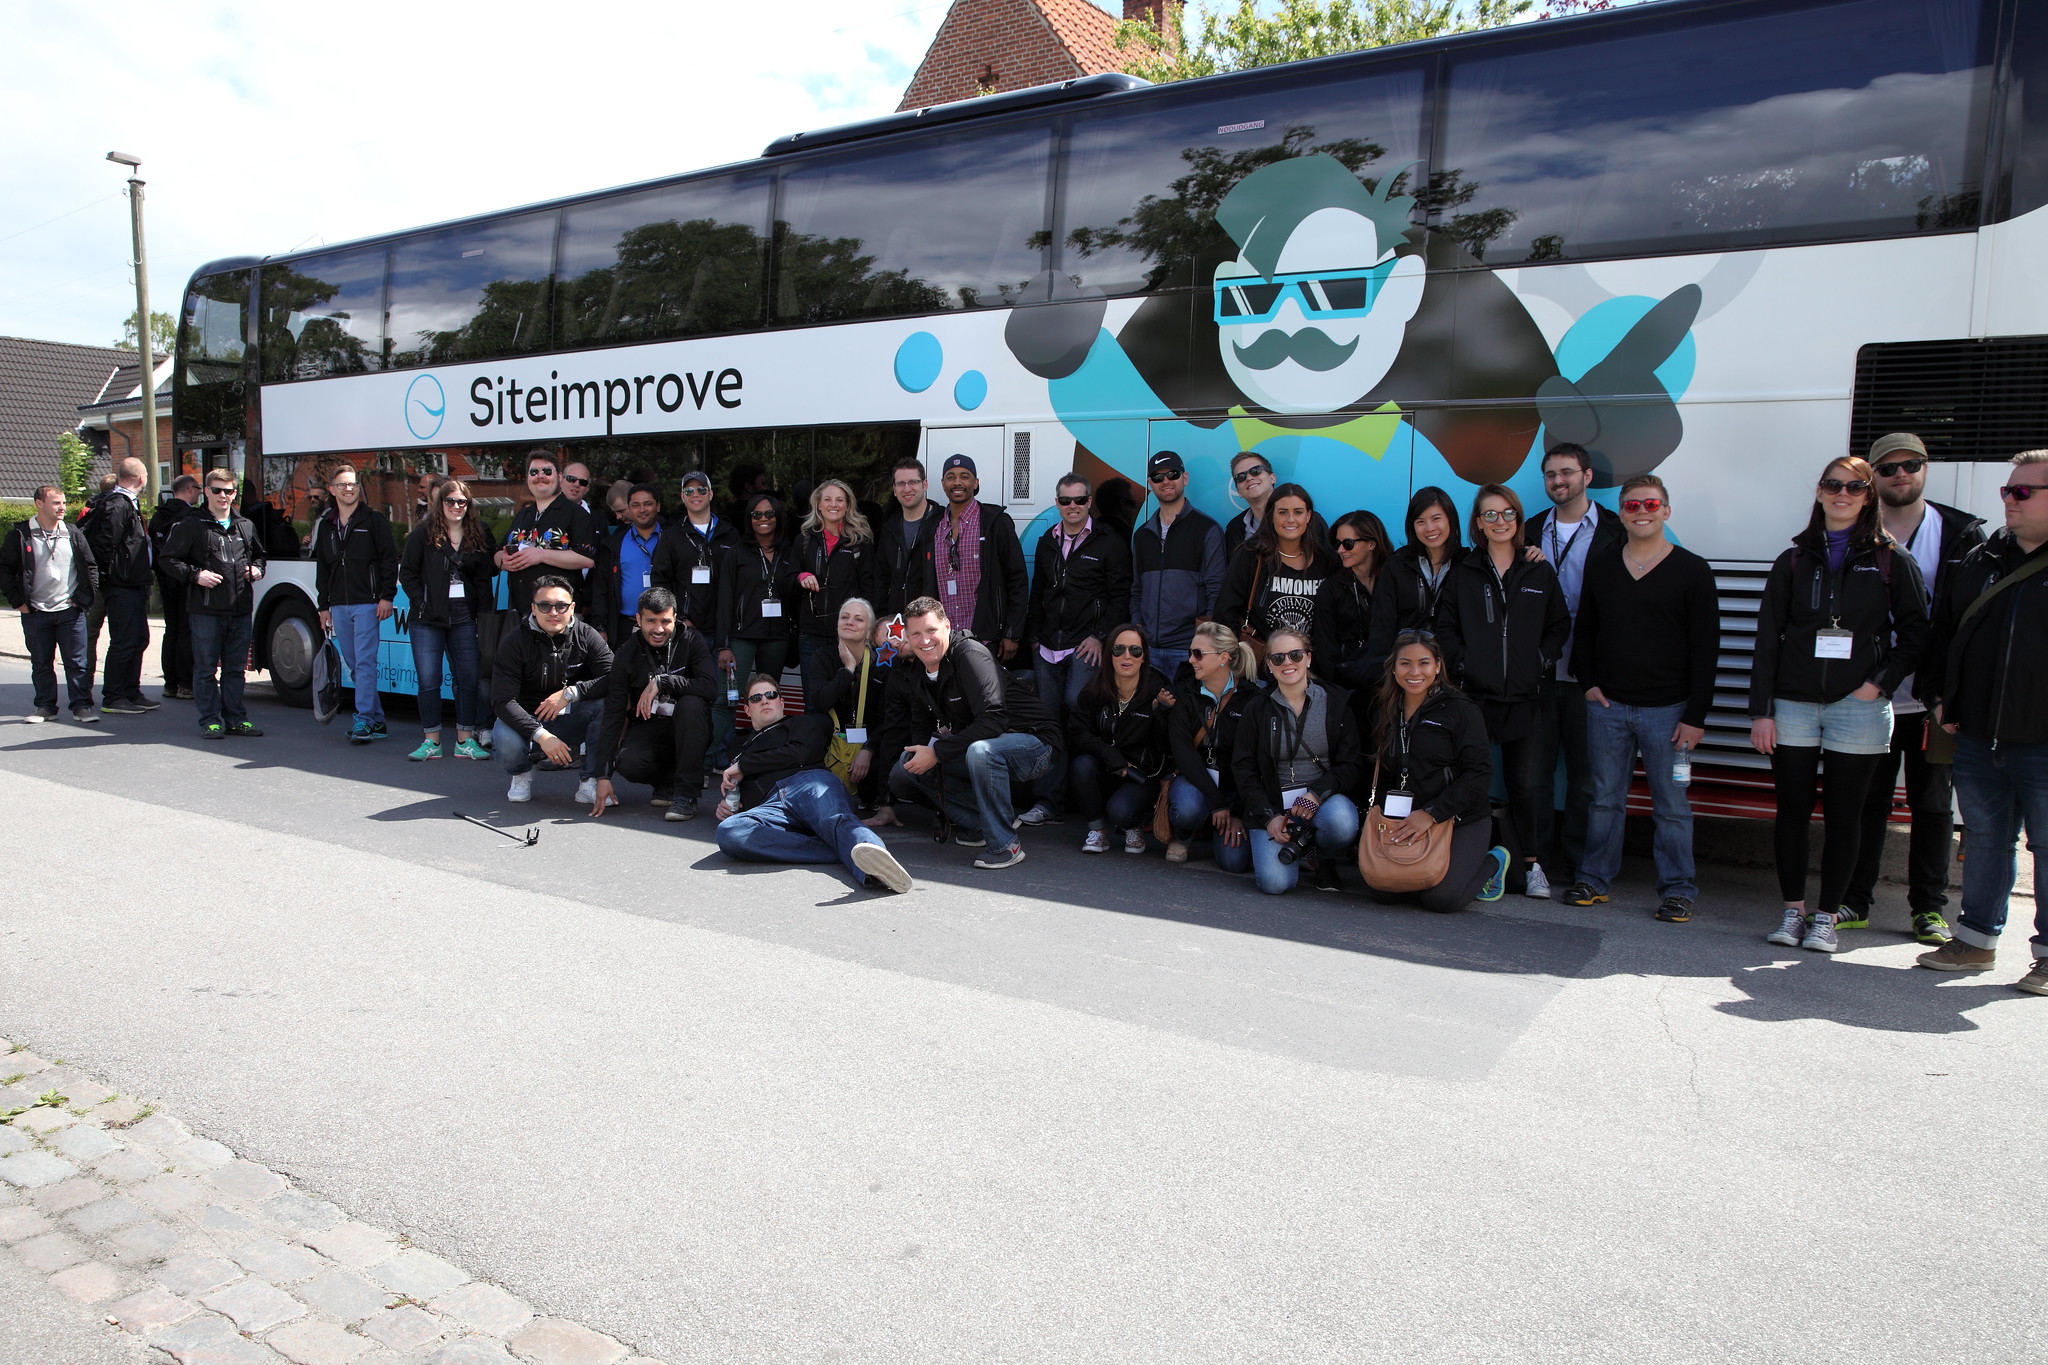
x=1217, y=40
x=162, y=330
x=74, y=465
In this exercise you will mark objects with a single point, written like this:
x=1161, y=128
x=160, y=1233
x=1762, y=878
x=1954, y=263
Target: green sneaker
x=245, y=728
x=1930, y=927
x=469, y=748
x=1497, y=883
x=212, y=730
x=429, y=748
x=1847, y=917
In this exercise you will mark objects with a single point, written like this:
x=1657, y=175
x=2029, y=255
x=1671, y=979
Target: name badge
x=1215, y=778
x=1397, y=805
x=1290, y=796
x=701, y=574
x=646, y=581
x=857, y=735
x=952, y=590
x=664, y=708
x=1833, y=644
x=455, y=589
x=771, y=607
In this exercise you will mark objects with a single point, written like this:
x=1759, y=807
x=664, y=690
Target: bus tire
x=292, y=636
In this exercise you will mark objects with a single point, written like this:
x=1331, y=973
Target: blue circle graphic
x=918, y=361
x=970, y=390
x=425, y=407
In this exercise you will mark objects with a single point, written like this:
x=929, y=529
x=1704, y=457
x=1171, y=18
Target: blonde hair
x=2027, y=457
x=863, y=604
x=856, y=525
x=1244, y=660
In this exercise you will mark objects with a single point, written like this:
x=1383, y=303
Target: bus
x=1725, y=240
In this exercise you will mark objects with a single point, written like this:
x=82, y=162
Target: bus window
x=1139, y=198
x=471, y=293
x=209, y=402
x=952, y=222
x=676, y=262
x=324, y=315
x=1778, y=124
x=2028, y=121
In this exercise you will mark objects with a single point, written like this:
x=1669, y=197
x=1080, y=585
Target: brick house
x=989, y=46
x=110, y=421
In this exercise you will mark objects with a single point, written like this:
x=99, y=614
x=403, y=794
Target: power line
x=62, y=216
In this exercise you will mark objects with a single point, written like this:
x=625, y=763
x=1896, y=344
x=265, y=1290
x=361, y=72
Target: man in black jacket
x=977, y=563
x=902, y=563
x=657, y=710
x=355, y=579
x=1938, y=537
x=119, y=537
x=1176, y=566
x=965, y=731
x=687, y=558
x=781, y=804
x=551, y=672
x=48, y=574
x=176, y=659
x=215, y=558
x=1989, y=668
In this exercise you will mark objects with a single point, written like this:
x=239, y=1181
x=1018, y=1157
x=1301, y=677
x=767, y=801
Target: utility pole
x=145, y=348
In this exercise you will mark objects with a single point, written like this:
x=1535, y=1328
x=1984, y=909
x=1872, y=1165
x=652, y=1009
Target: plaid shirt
x=957, y=553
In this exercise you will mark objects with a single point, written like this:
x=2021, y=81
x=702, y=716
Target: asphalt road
x=1088, y=1109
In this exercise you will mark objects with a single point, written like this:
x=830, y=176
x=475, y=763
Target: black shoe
x=377, y=730
x=142, y=703
x=121, y=706
x=1326, y=876
x=1578, y=893
x=682, y=808
x=1675, y=909
x=86, y=717
x=247, y=729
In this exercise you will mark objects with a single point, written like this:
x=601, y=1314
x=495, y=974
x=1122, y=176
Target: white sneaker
x=1096, y=842
x=1793, y=929
x=1538, y=887
x=1037, y=815
x=586, y=791
x=521, y=788
x=1134, y=842
x=1000, y=860
x=879, y=863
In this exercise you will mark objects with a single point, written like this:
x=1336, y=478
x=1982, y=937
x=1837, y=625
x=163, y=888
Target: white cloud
x=267, y=127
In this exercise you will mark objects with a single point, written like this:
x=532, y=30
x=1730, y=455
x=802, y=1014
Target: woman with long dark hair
x=832, y=564
x=1202, y=798
x=1843, y=622
x=1410, y=583
x=446, y=571
x=1434, y=765
x=756, y=604
x=1343, y=620
x=1117, y=743
x=1273, y=578
x=1296, y=756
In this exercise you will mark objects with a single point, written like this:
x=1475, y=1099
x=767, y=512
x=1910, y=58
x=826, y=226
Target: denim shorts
x=1847, y=726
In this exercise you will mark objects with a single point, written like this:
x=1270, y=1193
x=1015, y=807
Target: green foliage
x=163, y=329
x=10, y=513
x=1213, y=41
x=74, y=466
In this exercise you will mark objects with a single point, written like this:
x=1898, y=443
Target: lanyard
x=767, y=573
x=1557, y=554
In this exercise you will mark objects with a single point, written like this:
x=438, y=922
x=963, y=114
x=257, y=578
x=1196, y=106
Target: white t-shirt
x=1925, y=547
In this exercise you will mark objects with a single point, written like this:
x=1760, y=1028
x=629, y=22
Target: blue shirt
x=1567, y=554
x=636, y=567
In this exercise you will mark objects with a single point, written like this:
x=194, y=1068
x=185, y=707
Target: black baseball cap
x=1165, y=462
x=954, y=462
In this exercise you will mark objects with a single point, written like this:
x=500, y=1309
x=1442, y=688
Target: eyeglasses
x=580, y=483
x=1641, y=504
x=338, y=485
x=553, y=608
x=1322, y=293
x=691, y=490
x=1286, y=656
x=1168, y=475
x=761, y=516
x=1247, y=475
x=1886, y=471
x=1495, y=514
x=1348, y=543
x=1845, y=485
x=455, y=502
x=760, y=697
x=541, y=471
x=1132, y=651
x=1081, y=501
x=2020, y=492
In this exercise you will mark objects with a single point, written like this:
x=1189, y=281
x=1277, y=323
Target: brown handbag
x=1414, y=866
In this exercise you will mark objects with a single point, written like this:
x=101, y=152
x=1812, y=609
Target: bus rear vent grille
x=1969, y=400
x=1020, y=467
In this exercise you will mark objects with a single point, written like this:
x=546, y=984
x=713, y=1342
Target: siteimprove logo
x=425, y=407
x=497, y=400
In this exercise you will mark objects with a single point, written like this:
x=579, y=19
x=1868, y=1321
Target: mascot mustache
x=1310, y=348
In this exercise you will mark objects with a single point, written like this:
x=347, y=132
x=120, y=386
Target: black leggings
x=1795, y=773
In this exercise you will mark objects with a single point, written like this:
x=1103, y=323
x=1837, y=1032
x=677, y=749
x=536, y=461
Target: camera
x=1301, y=839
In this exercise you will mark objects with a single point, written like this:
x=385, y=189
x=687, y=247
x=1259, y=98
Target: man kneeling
x=783, y=805
x=657, y=710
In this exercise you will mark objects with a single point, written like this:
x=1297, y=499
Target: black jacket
x=17, y=564
x=1401, y=600
x=168, y=514
x=533, y=665
x=1079, y=595
x=1202, y=735
x=1135, y=738
x=747, y=579
x=354, y=565
x=1343, y=631
x=199, y=542
x=897, y=573
x=1262, y=594
x=1607, y=532
x=425, y=571
x=1001, y=600
x=784, y=749
x=844, y=573
x=972, y=698
x=681, y=668
x=832, y=689
x=682, y=551
x=1448, y=764
x=1502, y=637
x=1960, y=534
x=1992, y=678
x=119, y=538
x=1175, y=577
x=1876, y=596
x=1261, y=745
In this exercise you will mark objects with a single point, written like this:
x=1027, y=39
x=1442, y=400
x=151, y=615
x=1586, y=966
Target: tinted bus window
x=472, y=292
x=1832, y=120
x=954, y=222
x=1139, y=199
x=675, y=262
x=212, y=336
x=2028, y=118
x=324, y=315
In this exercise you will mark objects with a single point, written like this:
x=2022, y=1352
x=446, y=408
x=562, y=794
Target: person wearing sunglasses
x=1843, y=622
x=781, y=804
x=355, y=578
x=1117, y=739
x=1176, y=565
x=1504, y=622
x=1410, y=587
x=1649, y=637
x=446, y=574
x=551, y=672
x=1988, y=668
x=1080, y=582
x=215, y=555
x=756, y=608
x=1202, y=798
x=1251, y=478
x=977, y=564
x=688, y=560
x=1938, y=537
x=1298, y=753
x=1343, y=615
x=1273, y=579
x=553, y=534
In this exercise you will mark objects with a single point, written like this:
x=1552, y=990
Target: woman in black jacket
x=1343, y=624
x=1273, y=578
x=1297, y=754
x=1117, y=746
x=1504, y=622
x=1409, y=588
x=834, y=558
x=1434, y=764
x=1843, y=622
x=446, y=574
x=757, y=595
x=846, y=682
x=1202, y=799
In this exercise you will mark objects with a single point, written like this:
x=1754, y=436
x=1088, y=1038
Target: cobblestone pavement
x=209, y=1259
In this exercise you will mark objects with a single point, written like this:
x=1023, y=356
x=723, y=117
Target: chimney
x=1147, y=10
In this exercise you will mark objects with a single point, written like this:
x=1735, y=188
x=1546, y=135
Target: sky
x=264, y=128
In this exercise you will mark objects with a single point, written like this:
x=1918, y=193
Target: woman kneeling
x=1297, y=754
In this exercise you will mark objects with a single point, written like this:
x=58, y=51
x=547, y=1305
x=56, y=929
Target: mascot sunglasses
x=1322, y=293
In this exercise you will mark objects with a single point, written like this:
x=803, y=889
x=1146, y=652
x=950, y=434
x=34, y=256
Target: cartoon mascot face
x=1312, y=311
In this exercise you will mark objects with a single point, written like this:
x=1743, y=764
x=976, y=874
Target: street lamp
x=144, y=347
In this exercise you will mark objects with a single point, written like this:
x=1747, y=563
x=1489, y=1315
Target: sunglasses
x=1168, y=475
x=1901, y=467
x=1321, y=294
x=1845, y=485
x=1132, y=651
x=761, y=516
x=1081, y=501
x=1200, y=654
x=1500, y=514
x=1641, y=504
x=553, y=608
x=580, y=483
x=541, y=471
x=760, y=697
x=455, y=502
x=1348, y=543
x=1247, y=475
x=1286, y=656
x=2020, y=492
x=691, y=490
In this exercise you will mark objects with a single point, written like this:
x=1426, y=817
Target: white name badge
x=1215, y=778
x=857, y=735
x=1398, y=805
x=701, y=574
x=1832, y=644
x=664, y=708
x=455, y=589
x=1290, y=796
x=771, y=607
x=646, y=581
x=952, y=590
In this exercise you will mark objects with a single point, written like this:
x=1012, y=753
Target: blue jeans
x=458, y=642
x=1059, y=689
x=52, y=635
x=516, y=755
x=220, y=644
x=978, y=786
x=1110, y=801
x=808, y=818
x=1168, y=661
x=355, y=635
x=1614, y=736
x=1336, y=825
x=1190, y=813
x=1998, y=794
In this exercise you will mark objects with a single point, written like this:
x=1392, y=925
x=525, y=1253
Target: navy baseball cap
x=954, y=462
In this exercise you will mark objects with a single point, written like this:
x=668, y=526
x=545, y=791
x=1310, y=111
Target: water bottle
x=732, y=687
x=1681, y=768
